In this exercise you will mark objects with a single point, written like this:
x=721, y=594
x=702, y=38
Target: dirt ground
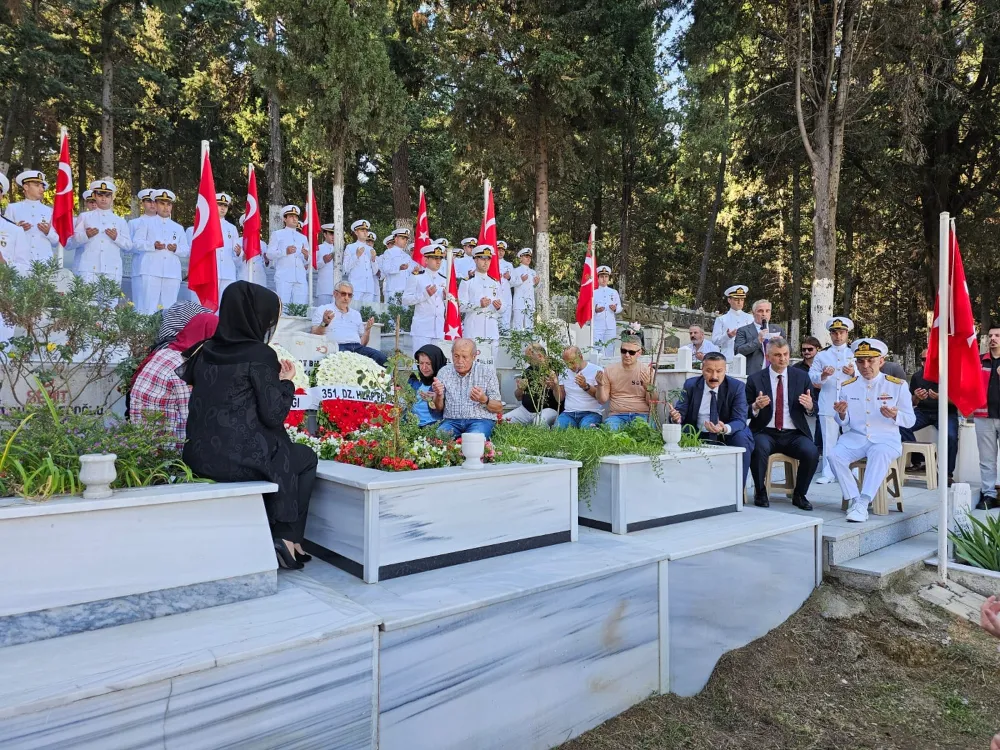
x=847, y=671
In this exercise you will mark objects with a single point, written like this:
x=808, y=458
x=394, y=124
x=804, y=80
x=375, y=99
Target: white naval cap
x=401, y=232
x=31, y=175
x=105, y=183
x=434, y=250
x=739, y=291
x=483, y=251
x=328, y=227
x=372, y=236
x=162, y=194
x=501, y=245
x=604, y=269
x=146, y=194
x=88, y=194
x=4, y=183
x=863, y=348
x=360, y=224
x=387, y=241
x=840, y=323
x=290, y=209
x=224, y=198
x=469, y=241
x=524, y=251
x=443, y=242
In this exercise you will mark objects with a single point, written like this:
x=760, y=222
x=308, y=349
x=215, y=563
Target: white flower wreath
x=348, y=368
x=300, y=377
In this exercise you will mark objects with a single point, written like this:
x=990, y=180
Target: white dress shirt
x=785, y=412
x=731, y=320
x=345, y=327
x=40, y=246
x=162, y=263
x=705, y=410
x=395, y=277
x=290, y=269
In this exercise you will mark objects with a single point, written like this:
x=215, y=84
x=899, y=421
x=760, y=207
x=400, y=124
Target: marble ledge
x=134, y=498
x=676, y=455
x=60, y=671
x=373, y=479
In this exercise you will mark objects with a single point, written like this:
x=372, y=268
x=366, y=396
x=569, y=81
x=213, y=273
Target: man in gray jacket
x=751, y=340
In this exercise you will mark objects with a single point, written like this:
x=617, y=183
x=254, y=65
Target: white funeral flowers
x=301, y=378
x=348, y=368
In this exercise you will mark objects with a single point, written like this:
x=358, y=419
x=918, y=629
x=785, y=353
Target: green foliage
x=295, y=310
x=541, y=373
x=977, y=542
x=587, y=446
x=690, y=438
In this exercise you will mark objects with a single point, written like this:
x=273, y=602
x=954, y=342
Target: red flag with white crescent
x=62, y=206
x=488, y=236
x=585, y=302
x=310, y=227
x=203, y=272
x=251, y=219
x=452, y=319
x=423, y=234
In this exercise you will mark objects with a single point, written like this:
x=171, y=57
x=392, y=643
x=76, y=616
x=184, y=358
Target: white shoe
x=824, y=479
x=858, y=512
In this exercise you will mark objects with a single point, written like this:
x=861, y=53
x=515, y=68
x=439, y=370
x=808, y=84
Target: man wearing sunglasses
x=339, y=323
x=810, y=348
x=629, y=385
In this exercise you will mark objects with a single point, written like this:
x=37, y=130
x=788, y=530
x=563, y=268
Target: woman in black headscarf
x=239, y=401
x=429, y=359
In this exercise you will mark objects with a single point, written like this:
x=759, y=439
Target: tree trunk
x=30, y=137
x=597, y=208
x=795, y=251
x=542, y=218
x=401, y=187
x=625, y=210
x=848, y=265
x=135, y=179
x=713, y=216
x=107, y=86
x=824, y=258
x=7, y=144
x=82, y=150
x=338, y=211
x=275, y=180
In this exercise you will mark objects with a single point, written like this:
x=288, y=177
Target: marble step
x=878, y=569
x=844, y=541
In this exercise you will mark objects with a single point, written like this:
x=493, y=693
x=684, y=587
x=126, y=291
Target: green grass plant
x=977, y=542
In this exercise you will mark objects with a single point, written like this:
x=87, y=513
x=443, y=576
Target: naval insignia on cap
x=739, y=291
x=162, y=194
x=469, y=241
x=401, y=232
x=603, y=269
x=4, y=183
x=104, y=184
x=327, y=227
x=840, y=323
x=524, y=251
x=865, y=348
x=501, y=245
x=443, y=242
x=224, y=198
x=434, y=251
x=372, y=236
x=32, y=175
x=360, y=224
x=483, y=251
x=290, y=209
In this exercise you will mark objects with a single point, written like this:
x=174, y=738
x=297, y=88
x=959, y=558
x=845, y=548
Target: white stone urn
x=473, y=447
x=671, y=435
x=97, y=472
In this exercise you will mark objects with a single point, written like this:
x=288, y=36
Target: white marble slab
x=524, y=674
x=95, y=555
x=726, y=598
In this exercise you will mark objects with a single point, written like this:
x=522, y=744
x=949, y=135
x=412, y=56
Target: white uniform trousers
x=157, y=293
x=831, y=433
x=523, y=319
x=520, y=415
x=291, y=292
x=508, y=307
x=364, y=298
x=879, y=459
x=608, y=335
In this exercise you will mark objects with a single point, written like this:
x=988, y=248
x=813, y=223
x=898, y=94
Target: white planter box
x=89, y=564
x=695, y=484
x=379, y=525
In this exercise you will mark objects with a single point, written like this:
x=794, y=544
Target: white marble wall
x=724, y=599
x=524, y=674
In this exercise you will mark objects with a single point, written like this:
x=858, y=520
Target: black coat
x=798, y=383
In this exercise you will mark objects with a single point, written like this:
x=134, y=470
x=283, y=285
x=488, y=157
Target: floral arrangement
x=352, y=369
x=300, y=378
x=344, y=416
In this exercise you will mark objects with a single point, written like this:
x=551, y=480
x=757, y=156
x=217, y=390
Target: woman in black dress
x=239, y=400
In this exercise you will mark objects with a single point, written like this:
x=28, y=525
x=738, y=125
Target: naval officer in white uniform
x=871, y=409
x=481, y=303
x=326, y=271
x=35, y=218
x=425, y=290
x=231, y=251
x=395, y=264
x=524, y=282
x=607, y=308
x=465, y=264
x=829, y=369
x=361, y=265
x=288, y=252
x=727, y=324
x=506, y=276
x=162, y=242
x=101, y=237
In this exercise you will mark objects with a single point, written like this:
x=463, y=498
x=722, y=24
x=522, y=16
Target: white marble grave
x=632, y=494
x=380, y=525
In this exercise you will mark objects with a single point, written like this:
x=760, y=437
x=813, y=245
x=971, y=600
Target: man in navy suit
x=780, y=398
x=716, y=405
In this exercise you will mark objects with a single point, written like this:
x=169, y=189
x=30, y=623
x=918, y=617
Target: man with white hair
x=607, y=308
x=360, y=265
x=468, y=392
x=699, y=346
x=288, y=252
x=871, y=408
x=35, y=218
x=101, y=236
x=751, y=339
x=726, y=325
x=162, y=242
x=343, y=325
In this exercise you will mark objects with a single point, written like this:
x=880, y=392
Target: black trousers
x=304, y=465
x=790, y=442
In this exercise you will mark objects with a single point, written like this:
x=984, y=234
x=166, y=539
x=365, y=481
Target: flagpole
x=944, y=327
x=248, y=262
x=312, y=221
x=62, y=140
x=593, y=293
x=486, y=201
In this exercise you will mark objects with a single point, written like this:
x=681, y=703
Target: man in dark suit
x=751, y=340
x=780, y=398
x=716, y=405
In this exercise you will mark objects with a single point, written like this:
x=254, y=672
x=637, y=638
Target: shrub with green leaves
x=977, y=542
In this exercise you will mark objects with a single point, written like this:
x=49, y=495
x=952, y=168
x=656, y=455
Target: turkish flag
x=423, y=238
x=488, y=236
x=203, y=272
x=585, y=302
x=310, y=227
x=62, y=206
x=251, y=219
x=452, y=319
x=965, y=383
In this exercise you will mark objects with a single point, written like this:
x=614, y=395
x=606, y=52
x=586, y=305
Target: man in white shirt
x=607, y=308
x=343, y=325
x=524, y=282
x=89, y=204
x=506, y=276
x=163, y=242
x=325, y=266
x=425, y=291
x=465, y=264
x=360, y=265
x=35, y=218
x=395, y=264
x=830, y=369
x=480, y=301
x=231, y=251
x=578, y=389
x=288, y=252
x=699, y=346
x=148, y=207
x=726, y=325
x=101, y=236
x=12, y=243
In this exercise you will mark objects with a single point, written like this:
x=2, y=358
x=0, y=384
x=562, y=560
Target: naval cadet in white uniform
x=829, y=369
x=326, y=272
x=871, y=409
x=101, y=237
x=288, y=252
x=12, y=241
x=425, y=291
x=607, y=308
x=524, y=282
x=481, y=303
x=395, y=264
x=231, y=251
x=148, y=207
x=360, y=265
x=35, y=218
x=727, y=324
x=465, y=264
x=162, y=242
x=506, y=275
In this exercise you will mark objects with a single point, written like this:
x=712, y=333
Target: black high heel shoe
x=285, y=558
x=302, y=557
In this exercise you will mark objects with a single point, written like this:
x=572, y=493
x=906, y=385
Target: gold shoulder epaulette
x=893, y=379
x=848, y=381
